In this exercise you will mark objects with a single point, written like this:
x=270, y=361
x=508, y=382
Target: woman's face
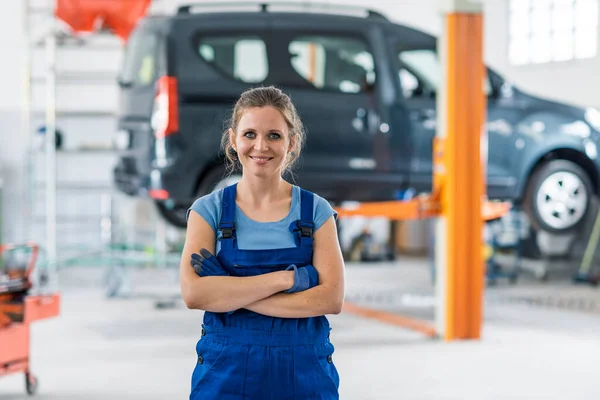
x=262, y=141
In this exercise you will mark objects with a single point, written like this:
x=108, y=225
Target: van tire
x=174, y=214
x=215, y=178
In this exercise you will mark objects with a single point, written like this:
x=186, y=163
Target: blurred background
x=138, y=93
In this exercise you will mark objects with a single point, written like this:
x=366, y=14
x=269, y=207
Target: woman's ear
x=232, y=139
x=292, y=145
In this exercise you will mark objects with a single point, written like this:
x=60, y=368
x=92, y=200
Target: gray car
x=365, y=88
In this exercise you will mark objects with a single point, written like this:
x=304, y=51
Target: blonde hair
x=259, y=97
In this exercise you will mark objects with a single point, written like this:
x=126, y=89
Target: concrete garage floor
x=125, y=348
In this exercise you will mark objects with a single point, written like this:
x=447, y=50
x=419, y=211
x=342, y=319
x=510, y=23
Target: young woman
x=277, y=272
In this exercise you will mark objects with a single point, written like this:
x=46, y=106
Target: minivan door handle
x=366, y=121
x=427, y=114
x=427, y=117
x=359, y=122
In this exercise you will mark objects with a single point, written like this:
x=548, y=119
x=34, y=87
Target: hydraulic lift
x=458, y=199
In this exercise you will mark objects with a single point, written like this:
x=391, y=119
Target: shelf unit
x=70, y=191
x=70, y=85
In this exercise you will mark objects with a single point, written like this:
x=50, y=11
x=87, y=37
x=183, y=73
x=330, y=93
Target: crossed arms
x=263, y=293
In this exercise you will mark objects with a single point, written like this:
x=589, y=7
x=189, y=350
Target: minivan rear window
x=139, y=62
x=242, y=58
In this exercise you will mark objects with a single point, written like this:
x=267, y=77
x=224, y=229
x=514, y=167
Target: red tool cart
x=19, y=308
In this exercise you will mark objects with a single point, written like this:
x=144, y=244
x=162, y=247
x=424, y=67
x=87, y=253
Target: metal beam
x=461, y=108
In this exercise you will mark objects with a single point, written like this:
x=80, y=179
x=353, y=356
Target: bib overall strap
x=227, y=223
x=305, y=224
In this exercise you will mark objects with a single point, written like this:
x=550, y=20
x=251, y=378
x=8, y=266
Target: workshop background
x=91, y=66
x=124, y=333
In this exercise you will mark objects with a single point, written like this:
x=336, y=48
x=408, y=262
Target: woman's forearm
x=227, y=293
x=317, y=301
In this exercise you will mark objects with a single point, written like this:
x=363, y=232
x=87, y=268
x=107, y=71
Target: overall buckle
x=227, y=231
x=306, y=228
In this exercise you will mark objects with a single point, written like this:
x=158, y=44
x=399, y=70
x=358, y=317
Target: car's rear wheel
x=558, y=196
x=175, y=213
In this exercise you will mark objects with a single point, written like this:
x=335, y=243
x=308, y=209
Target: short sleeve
x=209, y=208
x=322, y=211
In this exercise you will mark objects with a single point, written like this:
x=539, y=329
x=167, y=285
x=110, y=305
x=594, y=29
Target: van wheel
x=215, y=179
x=558, y=196
x=173, y=213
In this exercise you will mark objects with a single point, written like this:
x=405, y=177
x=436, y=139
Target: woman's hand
x=206, y=264
x=304, y=278
x=221, y=293
x=325, y=298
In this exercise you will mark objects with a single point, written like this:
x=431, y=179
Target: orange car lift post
x=457, y=199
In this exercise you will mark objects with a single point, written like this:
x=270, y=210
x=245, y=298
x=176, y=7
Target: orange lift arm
x=421, y=207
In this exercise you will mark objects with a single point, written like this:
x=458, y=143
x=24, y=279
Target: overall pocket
x=324, y=354
x=220, y=370
x=208, y=354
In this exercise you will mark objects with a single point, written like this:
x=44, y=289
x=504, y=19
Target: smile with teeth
x=261, y=160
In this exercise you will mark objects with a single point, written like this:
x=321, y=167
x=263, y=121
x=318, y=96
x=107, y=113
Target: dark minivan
x=365, y=88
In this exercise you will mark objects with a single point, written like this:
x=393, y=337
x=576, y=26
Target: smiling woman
x=262, y=140
x=268, y=112
x=278, y=269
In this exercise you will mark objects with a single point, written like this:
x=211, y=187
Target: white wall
x=12, y=146
x=72, y=96
x=574, y=81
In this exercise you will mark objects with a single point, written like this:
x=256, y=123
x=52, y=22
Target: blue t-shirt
x=253, y=235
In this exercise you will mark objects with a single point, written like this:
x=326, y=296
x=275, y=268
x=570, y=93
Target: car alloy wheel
x=561, y=200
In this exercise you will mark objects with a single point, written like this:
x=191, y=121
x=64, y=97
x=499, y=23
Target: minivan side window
x=139, y=62
x=333, y=63
x=420, y=73
x=242, y=58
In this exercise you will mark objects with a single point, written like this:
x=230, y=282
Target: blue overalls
x=245, y=355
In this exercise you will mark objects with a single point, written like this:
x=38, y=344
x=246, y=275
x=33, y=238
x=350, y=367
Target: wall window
x=542, y=31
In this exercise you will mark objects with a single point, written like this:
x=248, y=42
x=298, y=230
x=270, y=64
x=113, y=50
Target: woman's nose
x=261, y=144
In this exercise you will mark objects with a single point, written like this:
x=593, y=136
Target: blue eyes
x=252, y=135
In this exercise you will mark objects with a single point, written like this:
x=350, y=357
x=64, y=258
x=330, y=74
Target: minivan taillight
x=165, y=114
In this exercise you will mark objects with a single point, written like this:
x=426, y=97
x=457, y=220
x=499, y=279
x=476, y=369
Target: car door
x=419, y=73
x=331, y=76
x=422, y=117
x=409, y=52
x=502, y=115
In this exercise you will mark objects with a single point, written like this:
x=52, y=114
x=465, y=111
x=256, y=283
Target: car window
x=242, y=58
x=139, y=61
x=409, y=82
x=420, y=73
x=333, y=63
